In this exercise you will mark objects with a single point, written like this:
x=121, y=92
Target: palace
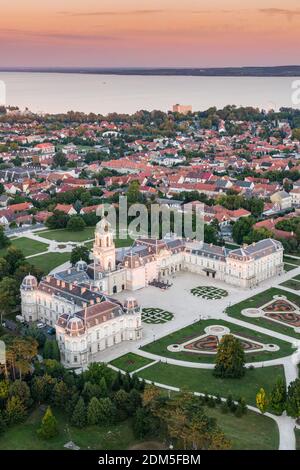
x=78, y=301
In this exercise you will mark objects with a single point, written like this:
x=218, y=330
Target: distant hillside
x=278, y=71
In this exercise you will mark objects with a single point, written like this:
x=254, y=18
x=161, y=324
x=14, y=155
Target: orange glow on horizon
x=149, y=33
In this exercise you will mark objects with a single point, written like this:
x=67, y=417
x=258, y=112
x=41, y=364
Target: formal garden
x=209, y=292
x=198, y=343
x=241, y=311
x=130, y=362
x=293, y=283
x=155, y=316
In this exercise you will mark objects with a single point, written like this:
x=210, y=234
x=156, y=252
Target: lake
x=59, y=92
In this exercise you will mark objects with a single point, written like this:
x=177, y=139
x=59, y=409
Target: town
x=98, y=322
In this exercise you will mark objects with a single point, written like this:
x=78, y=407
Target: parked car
x=51, y=331
x=40, y=325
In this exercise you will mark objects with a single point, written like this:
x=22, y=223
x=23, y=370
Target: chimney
x=98, y=300
x=70, y=286
x=57, y=282
x=63, y=284
x=83, y=290
x=92, y=302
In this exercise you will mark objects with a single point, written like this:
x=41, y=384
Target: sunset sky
x=149, y=33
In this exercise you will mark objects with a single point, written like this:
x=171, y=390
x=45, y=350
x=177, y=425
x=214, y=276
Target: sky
x=149, y=33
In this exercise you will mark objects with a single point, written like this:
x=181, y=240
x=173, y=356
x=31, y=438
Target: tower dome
x=29, y=282
x=75, y=326
x=81, y=265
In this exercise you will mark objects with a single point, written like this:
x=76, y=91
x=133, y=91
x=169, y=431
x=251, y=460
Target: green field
x=259, y=300
x=289, y=259
x=49, y=261
x=64, y=235
x=252, y=431
x=130, y=362
x=289, y=267
x=203, y=380
x=197, y=329
x=24, y=436
x=27, y=246
x=292, y=284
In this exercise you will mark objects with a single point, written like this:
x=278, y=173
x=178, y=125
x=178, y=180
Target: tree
x=79, y=414
x=76, y=224
x=51, y=350
x=60, y=394
x=293, y=399
x=230, y=358
x=42, y=388
x=133, y=194
x=20, y=353
x=262, y=401
x=94, y=411
x=15, y=411
x=49, y=428
x=4, y=268
x=4, y=240
x=21, y=390
x=59, y=160
x=278, y=397
x=80, y=252
x=57, y=220
x=9, y=295
x=14, y=258
x=241, y=228
x=103, y=390
x=144, y=423
x=210, y=234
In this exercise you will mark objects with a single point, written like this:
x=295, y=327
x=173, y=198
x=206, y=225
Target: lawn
x=196, y=329
x=203, y=380
x=64, y=235
x=24, y=437
x=289, y=259
x=252, y=431
x=49, y=261
x=289, y=267
x=27, y=246
x=259, y=300
x=292, y=284
x=130, y=362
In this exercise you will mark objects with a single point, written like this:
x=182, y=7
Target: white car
x=40, y=325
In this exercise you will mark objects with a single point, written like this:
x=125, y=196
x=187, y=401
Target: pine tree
x=94, y=411
x=230, y=358
x=49, y=428
x=293, y=399
x=79, y=414
x=103, y=390
x=278, y=397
